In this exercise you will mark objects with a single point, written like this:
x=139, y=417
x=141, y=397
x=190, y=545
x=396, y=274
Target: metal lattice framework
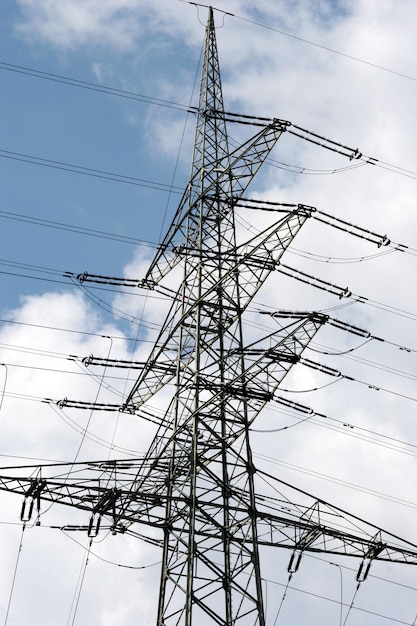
x=197, y=481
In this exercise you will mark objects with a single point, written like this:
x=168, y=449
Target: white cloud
x=69, y=24
x=117, y=24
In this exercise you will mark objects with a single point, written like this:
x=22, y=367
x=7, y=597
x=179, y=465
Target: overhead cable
x=312, y=137
x=89, y=171
x=326, y=48
x=83, y=84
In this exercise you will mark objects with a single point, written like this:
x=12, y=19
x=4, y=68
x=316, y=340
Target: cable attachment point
x=106, y=503
x=62, y=403
x=346, y=293
x=356, y=155
x=302, y=544
x=87, y=360
x=82, y=277
x=369, y=556
x=385, y=241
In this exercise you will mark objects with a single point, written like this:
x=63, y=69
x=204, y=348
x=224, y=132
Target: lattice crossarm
x=244, y=162
x=320, y=538
x=267, y=363
x=120, y=505
x=253, y=262
x=233, y=172
x=284, y=229
x=48, y=490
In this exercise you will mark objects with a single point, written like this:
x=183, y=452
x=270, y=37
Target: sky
x=90, y=180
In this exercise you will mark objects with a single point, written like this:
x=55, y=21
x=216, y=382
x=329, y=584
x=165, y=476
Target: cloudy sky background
x=55, y=221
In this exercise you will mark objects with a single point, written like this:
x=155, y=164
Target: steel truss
x=196, y=484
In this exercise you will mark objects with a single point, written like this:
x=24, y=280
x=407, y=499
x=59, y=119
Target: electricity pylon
x=198, y=483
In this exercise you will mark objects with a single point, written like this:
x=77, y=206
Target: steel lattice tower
x=197, y=483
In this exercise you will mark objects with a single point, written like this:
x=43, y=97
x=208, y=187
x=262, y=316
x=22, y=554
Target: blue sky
x=154, y=49
x=77, y=126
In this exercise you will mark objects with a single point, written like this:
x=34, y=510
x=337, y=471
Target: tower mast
x=210, y=567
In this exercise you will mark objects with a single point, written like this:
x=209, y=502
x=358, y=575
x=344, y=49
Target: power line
x=356, y=608
x=351, y=569
x=65, y=330
x=347, y=428
x=176, y=105
x=233, y=117
x=318, y=215
x=100, y=558
x=70, y=283
x=79, y=586
x=338, y=481
x=91, y=232
x=177, y=549
x=89, y=171
x=326, y=48
x=83, y=84
x=62, y=371
x=14, y=575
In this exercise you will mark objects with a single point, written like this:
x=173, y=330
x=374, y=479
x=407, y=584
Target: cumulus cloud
x=71, y=24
